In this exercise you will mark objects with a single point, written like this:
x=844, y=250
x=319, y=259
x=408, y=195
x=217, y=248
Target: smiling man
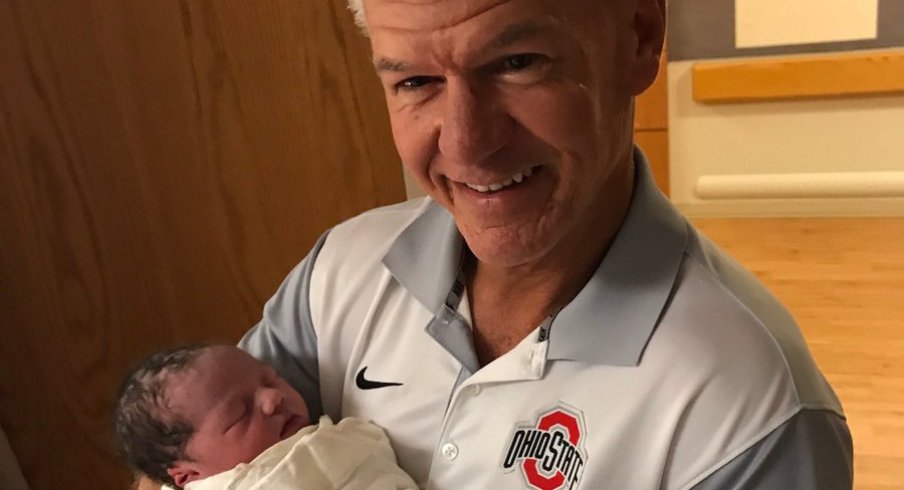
x=545, y=319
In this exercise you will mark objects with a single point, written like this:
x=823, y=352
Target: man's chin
x=507, y=248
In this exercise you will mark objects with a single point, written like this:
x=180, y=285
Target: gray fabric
x=812, y=387
x=285, y=336
x=705, y=29
x=631, y=287
x=453, y=333
x=426, y=257
x=812, y=451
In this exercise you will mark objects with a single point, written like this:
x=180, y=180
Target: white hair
x=357, y=8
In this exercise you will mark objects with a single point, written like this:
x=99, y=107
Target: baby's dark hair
x=146, y=434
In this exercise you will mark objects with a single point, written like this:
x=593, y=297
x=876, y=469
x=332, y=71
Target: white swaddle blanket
x=351, y=455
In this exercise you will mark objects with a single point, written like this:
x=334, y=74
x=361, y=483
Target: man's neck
x=507, y=303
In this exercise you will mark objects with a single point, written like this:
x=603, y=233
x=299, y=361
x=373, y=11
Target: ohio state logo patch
x=549, y=452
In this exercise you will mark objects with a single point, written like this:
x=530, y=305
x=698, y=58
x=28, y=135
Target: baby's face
x=238, y=406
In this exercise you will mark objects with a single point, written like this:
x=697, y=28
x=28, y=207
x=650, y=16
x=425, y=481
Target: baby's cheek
x=270, y=434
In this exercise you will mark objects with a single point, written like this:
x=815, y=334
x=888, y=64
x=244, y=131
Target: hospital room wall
x=749, y=148
x=163, y=165
x=847, y=152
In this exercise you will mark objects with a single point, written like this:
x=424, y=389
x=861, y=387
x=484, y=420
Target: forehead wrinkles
x=430, y=15
x=457, y=37
x=425, y=15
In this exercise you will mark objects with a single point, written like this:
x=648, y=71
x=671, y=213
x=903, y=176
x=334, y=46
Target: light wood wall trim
x=800, y=77
x=652, y=107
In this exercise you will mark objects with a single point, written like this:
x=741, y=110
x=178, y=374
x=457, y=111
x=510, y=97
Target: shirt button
x=475, y=390
x=450, y=451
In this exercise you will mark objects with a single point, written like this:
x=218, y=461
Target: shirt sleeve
x=811, y=451
x=285, y=337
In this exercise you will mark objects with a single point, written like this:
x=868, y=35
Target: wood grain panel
x=163, y=165
x=800, y=77
x=842, y=279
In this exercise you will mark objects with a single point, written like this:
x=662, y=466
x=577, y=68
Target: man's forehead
x=431, y=15
x=480, y=21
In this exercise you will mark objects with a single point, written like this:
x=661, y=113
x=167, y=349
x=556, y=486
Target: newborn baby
x=211, y=416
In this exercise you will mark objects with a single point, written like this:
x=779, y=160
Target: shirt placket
x=527, y=361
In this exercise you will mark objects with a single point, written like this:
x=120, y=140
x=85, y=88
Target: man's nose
x=474, y=125
x=270, y=401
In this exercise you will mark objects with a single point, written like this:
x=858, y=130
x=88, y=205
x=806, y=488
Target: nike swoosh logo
x=366, y=384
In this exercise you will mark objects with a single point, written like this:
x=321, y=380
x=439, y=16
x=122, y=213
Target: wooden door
x=163, y=165
x=651, y=125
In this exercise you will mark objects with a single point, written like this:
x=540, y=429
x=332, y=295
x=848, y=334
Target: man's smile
x=517, y=178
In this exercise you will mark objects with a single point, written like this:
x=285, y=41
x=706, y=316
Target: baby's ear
x=183, y=473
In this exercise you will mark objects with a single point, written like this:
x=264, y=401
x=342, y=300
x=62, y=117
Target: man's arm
x=285, y=337
x=811, y=451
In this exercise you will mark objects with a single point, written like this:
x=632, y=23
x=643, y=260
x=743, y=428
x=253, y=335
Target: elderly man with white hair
x=545, y=319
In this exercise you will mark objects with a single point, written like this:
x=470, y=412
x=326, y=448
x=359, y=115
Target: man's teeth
x=514, y=179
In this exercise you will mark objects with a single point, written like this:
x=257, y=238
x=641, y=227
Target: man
x=546, y=320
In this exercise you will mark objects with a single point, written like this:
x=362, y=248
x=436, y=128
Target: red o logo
x=572, y=428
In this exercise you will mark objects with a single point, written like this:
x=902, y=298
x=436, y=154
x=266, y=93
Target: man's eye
x=414, y=83
x=520, y=62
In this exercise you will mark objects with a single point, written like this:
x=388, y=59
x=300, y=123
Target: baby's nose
x=271, y=401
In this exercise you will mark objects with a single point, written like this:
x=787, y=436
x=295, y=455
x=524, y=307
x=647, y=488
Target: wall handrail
x=800, y=77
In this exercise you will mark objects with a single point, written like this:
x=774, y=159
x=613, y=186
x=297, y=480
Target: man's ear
x=183, y=473
x=649, y=27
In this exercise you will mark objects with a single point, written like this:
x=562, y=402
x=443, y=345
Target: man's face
x=513, y=114
x=238, y=406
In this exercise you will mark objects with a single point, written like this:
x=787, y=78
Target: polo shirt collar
x=613, y=317
x=426, y=256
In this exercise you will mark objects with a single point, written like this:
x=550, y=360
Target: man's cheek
x=407, y=141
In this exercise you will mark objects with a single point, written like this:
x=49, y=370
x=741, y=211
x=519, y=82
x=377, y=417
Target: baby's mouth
x=292, y=425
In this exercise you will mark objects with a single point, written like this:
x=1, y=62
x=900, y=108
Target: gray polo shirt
x=673, y=368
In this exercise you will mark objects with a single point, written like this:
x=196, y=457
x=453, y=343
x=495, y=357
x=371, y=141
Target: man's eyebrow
x=386, y=64
x=510, y=35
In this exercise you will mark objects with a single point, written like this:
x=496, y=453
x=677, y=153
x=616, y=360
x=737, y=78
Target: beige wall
x=795, y=158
